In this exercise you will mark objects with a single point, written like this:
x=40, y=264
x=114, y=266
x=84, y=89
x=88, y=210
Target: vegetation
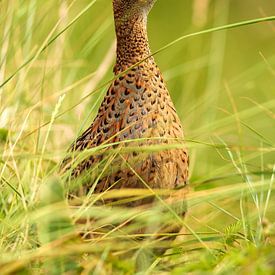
x=56, y=61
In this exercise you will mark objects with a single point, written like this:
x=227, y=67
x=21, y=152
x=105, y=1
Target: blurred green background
x=222, y=83
x=202, y=73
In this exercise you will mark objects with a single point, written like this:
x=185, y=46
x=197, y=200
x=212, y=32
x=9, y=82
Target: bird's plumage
x=137, y=106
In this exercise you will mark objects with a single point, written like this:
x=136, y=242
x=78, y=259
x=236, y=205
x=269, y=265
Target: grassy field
x=56, y=60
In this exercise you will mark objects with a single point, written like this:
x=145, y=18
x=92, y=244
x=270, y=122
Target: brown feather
x=137, y=105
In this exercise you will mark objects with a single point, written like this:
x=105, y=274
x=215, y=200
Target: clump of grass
x=55, y=63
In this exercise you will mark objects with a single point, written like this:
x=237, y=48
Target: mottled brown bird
x=136, y=106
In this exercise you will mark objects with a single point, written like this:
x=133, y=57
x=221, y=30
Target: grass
x=55, y=65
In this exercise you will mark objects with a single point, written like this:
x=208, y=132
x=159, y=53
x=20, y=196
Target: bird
x=136, y=111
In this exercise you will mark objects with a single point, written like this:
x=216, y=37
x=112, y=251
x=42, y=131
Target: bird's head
x=126, y=9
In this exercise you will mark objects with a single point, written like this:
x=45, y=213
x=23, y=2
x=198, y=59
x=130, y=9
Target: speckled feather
x=137, y=105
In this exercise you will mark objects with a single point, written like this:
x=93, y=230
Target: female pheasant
x=137, y=108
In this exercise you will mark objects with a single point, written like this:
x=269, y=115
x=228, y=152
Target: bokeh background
x=222, y=84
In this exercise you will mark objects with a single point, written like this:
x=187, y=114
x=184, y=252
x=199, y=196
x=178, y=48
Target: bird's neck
x=132, y=42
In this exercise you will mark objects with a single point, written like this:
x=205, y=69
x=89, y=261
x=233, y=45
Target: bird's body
x=136, y=106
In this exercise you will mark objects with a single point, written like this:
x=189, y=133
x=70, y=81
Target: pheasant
x=138, y=111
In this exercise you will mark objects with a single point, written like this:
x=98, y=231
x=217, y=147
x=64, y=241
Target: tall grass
x=56, y=63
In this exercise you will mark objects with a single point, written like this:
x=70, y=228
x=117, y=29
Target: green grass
x=218, y=61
